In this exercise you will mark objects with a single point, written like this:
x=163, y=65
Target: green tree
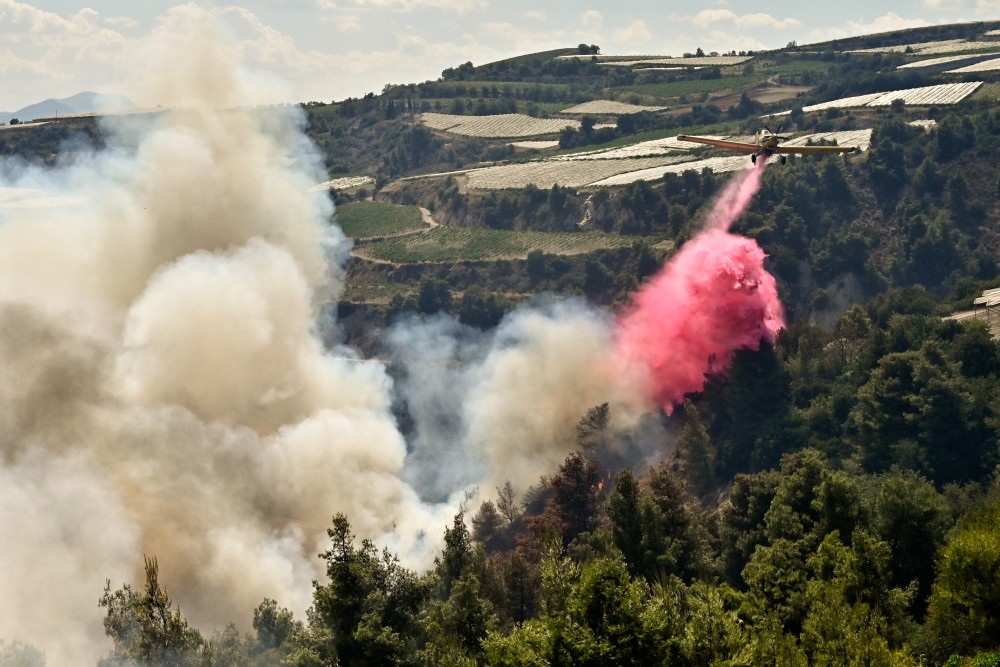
x=886, y=162
x=457, y=556
x=624, y=508
x=592, y=431
x=854, y=615
x=370, y=603
x=455, y=627
x=743, y=528
x=912, y=518
x=592, y=614
x=273, y=626
x=917, y=411
x=227, y=649
x=577, y=493
x=964, y=610
x=487, y=525
x=435, y=296
x=675, y=539
x=713, y=632
x=696, y=450
x=145, y=628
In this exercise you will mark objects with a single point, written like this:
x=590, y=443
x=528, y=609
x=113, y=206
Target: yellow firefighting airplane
x=767, y=144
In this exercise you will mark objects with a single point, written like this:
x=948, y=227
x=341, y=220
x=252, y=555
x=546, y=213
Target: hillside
x=582, y=143
x=669, y=406
x=625, y=174
x=81, y=103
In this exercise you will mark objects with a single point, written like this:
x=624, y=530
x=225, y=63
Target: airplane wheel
x=753, y=159
x=783, y=159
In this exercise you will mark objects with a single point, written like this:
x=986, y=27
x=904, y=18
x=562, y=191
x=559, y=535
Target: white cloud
x=885, y=23
x=636, y=32
x=709, y=18
x=457, y=6
x=534, y=15
x=348, y=23
x=723, y=42
x=68, y=53
x=122, y=22
x=522, y=40
x=592, y=19
x=981, y=6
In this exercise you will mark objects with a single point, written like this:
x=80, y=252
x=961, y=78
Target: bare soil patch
x=764, y=95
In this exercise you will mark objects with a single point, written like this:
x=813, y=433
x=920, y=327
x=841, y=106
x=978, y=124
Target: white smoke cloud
x=164, y=391
x=545, y=370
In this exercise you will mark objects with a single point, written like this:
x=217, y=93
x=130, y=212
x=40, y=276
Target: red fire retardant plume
x=712, y=298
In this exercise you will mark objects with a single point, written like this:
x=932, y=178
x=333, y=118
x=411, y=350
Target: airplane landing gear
x=783, y=159
x=753, y=158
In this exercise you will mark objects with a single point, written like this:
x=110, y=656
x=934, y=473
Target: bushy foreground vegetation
x=832, y=500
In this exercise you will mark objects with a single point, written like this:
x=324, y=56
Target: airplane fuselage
x=767, y=142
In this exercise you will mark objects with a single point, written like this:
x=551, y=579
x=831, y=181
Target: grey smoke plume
x=163, y=389
x=504, y=407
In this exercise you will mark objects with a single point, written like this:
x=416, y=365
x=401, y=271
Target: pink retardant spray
x=712, y=298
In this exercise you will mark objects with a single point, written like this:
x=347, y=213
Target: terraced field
x=651, y=148
x=609, y=107
x=448, y=244
x=694, y=86
x=984, y=66
x=344, y=183
x=719, y=165
x=943, y=60
x=669, y=61
x=509, y=125
x=546, y=173
x=933, y=48
x=946, y=93
x=371, y=219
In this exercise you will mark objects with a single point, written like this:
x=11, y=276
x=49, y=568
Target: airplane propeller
x=777, y=134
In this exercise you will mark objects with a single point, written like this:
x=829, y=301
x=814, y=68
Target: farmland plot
x=633, y=60
x=370, y=219
x=984, y=66
x=719, y=165
x=535, y=145
x=497, y=126
x=946, y=93
x=963, y=46
x=609, y=107
x=344, y=183
x=546, y=173
x=651, y=148
x=943, y=60
x=859, y=138
x=446, y=244
x=929, y=48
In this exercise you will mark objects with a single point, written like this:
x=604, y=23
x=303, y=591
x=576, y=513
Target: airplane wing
x=813, y=150
x=720, y=143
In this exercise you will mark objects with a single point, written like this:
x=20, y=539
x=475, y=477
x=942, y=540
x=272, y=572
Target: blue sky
x=327, y=50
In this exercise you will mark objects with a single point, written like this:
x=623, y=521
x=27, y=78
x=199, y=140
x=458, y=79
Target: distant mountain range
x=77, y=104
